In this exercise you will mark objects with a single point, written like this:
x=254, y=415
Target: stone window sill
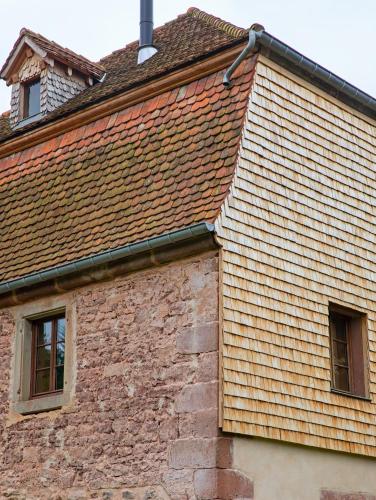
x=38, y=405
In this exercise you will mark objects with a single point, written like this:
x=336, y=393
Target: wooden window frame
x=34, y=350
x=26, y=96
x=357, y=351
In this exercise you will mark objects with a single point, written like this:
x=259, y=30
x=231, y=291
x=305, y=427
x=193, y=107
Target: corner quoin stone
x=201, y=453
x=196, y=397
x=195, y=340
x=222, y=484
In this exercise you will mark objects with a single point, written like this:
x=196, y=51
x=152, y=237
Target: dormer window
x=31, y=95
x=43, y=76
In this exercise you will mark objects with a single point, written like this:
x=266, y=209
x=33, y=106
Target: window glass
x=32, y=98
x=48, y=356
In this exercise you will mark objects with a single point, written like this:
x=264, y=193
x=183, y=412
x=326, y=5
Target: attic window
x=31, y=98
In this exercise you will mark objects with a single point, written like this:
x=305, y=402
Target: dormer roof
x=47, y=50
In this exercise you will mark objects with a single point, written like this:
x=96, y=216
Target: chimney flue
x=146, y=48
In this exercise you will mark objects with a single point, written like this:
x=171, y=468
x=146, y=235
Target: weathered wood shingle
x=298, y=231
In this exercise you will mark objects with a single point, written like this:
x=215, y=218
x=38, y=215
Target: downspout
x=253, y=37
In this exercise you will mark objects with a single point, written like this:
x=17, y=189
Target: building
x=187, y=292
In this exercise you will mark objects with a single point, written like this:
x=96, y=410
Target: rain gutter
x=105, y=265
x=286, y=56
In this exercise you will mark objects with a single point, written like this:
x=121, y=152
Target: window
x=43, y=361
x=31, y=98
x=48, y=353
x=348, y=338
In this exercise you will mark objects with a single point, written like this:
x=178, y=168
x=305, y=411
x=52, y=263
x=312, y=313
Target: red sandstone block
x=207, y=369
x=222, y=484
x=337, y=495
x=200, y=424
x=198, y=339
x=193, y=453
x=196, y=397
x=201, y=453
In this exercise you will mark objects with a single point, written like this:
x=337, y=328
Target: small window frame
x=357, y=351
x=24, y=315
x=25, y=114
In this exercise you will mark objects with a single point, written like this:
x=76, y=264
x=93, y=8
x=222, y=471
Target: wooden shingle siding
x=298, y=231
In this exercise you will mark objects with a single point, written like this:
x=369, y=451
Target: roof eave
x=87, y=68
x=105, y=265
x=302, y=66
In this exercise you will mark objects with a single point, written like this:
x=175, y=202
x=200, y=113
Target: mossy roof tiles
x=149, y=169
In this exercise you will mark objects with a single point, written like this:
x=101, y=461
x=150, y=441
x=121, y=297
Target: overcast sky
x=338, y=34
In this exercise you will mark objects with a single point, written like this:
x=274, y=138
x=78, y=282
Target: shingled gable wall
x=297, y=232
x=57, y=86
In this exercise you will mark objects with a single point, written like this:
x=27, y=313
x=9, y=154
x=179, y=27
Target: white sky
x=338, y=34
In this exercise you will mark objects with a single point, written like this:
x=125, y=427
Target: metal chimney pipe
x=146, y=48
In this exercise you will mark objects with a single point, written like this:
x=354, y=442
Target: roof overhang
x=314, y=73
x=106, y=265
x=26, y=42
x=17, y=57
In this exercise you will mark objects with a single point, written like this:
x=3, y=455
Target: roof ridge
x=28, y=31
x=229, y=28
x=24, y=32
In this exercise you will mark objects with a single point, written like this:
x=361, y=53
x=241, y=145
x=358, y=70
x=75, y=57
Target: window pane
x=44, y=357
x=341, y=378
x=32, y=97
x=340, y=353
x=61, y=330
x=60, y=351
x=44, y=333
x=340, y=330
x=59, y=378
x=42, y=381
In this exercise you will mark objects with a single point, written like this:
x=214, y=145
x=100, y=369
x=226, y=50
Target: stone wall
x=144, y=420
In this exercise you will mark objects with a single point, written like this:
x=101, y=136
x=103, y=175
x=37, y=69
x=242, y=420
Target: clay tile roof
x=228, y=28
x=193, y=36
x=157, y=166
x=59, y=53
